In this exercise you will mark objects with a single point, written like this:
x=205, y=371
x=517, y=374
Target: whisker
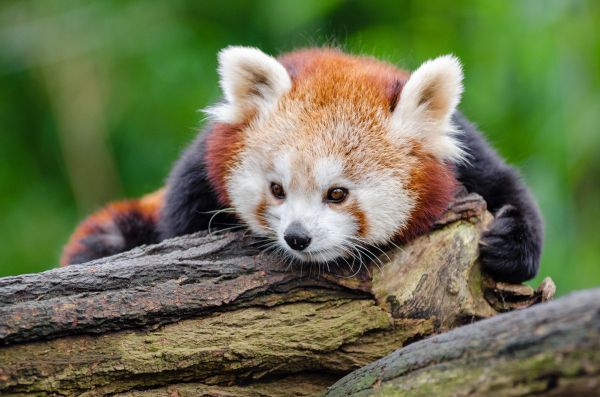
x=217, y=212
x=371, y=245
x=216, y=232
x=227, y=210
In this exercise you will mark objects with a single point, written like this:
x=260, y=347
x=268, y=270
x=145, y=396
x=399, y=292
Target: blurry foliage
x=98, y=97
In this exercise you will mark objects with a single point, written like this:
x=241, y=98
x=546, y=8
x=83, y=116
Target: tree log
x=212, y=315
x=550, y=350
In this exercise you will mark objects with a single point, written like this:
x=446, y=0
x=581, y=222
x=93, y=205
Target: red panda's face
x=322, y=176
x=338, y=158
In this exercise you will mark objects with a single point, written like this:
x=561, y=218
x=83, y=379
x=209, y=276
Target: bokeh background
x=98, y=97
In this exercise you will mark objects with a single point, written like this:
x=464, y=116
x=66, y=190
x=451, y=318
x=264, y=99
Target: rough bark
x=211, y=315
x=550, y=350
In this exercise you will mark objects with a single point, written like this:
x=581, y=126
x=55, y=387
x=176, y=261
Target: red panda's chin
x=317, y=256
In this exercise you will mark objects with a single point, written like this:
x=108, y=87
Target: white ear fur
x=252, y=82
x=426, y=104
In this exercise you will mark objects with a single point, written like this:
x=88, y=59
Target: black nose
x=296, y=236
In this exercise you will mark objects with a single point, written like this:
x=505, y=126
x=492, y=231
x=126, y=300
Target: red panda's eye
x=337, y=194
x=277, y=190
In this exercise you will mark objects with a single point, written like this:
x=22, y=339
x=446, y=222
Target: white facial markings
x=326, y=227
x=333, y=229
x=329, y=172
x=282, y=169
x=386, y=203
x=304, y=204
x=246, y=189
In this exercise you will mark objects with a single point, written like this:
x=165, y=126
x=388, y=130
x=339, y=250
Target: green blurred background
x=97, y=98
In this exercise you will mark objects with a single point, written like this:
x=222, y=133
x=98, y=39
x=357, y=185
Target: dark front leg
x=191, y=204
x=510, y=250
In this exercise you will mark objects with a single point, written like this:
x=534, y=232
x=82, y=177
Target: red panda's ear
x=426, y=104
x=252, y=82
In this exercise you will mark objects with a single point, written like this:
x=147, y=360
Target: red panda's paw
x=510, y=250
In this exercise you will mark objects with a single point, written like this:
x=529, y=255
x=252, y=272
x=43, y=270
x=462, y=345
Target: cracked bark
x=546, y=350
x=211, y=315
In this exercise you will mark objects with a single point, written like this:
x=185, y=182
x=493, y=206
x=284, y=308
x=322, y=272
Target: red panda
x=320, y=152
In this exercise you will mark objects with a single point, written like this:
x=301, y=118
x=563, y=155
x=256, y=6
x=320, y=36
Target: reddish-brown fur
x=223, y=143
x=260, y=213
x=361, y=219
x=149, y=206
x=435, y=185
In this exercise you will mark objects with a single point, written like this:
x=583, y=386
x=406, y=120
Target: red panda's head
x=326, y=152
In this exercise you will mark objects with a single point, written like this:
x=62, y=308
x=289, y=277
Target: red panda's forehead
x=353, y=139
x=338, y=107
x=338, y=104
x=323, y=75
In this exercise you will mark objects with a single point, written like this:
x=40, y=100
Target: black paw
x=510, y=249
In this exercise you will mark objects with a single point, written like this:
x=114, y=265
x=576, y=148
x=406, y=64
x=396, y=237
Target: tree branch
x=550, y=350
x=213, y=312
